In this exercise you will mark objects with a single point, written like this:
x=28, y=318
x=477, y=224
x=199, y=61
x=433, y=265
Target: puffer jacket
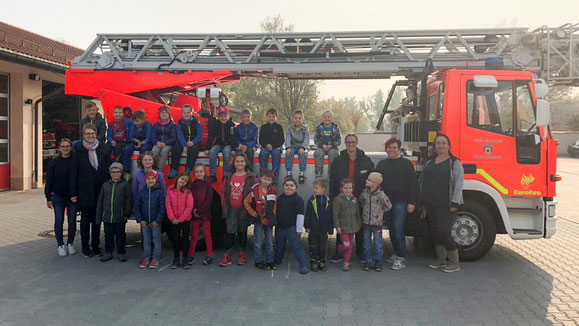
x=115, y=202
x=374, y=205
x=165, y=134
x=319, y=218
x=347, y=213
x=179, y=204
x=150, y=205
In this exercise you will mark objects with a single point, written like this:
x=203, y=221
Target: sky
x=78, y=22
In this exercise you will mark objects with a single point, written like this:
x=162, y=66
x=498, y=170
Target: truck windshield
x=491, y=109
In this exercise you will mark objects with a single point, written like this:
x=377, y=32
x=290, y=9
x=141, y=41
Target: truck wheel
x=473, y=230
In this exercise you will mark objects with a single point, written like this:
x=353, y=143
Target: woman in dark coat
x=89, y=170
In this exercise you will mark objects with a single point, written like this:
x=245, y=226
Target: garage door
x=4, y=157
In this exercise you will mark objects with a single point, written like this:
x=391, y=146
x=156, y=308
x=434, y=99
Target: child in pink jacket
x=179, y=205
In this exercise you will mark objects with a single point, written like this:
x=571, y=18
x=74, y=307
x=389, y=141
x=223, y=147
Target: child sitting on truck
x=271, y=139
x=139, y=138
x=189, y=136
x=118, y=134
x=297, y=140
x=327, y=139
x=164, y=136
x=246, y=133
x=223, y=132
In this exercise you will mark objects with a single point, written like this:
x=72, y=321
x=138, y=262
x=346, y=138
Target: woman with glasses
x=56, y=191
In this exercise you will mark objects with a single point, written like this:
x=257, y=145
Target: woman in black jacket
x=56, y=191
x=89, y=169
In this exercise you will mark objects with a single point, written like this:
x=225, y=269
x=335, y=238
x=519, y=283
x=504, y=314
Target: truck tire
x=473, y=230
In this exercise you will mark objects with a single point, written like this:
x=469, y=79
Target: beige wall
x=22, y=121
x=565, y=139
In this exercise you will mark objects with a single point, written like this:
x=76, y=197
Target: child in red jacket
x=179, y=205
x=202, y=195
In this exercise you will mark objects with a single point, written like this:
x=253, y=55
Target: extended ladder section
x=550, y=52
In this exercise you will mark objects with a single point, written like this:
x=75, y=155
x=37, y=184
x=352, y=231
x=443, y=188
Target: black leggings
x=179, y=236
x=439, y=221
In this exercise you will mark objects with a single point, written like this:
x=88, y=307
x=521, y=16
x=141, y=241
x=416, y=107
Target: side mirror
x=485, y=81
x=543, y=117
x=541, y=89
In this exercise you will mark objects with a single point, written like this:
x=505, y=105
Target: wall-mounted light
x=34, y=77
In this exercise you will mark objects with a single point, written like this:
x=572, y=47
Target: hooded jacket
x=247, y=135
x=319, y=215
x=295, y=138
x=99, y=122
x=165, y=134
x=115, y=203
x=340, y=170
x=336, y=138
x=223, y=134
x=264, y=207
x=179, y=204
x=347, y=213
x=202, y=191
x=374, y=205
x=150, y=205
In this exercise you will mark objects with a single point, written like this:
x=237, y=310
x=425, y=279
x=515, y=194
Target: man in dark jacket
x=223, y=132
x=355, y=165
x=93, y=116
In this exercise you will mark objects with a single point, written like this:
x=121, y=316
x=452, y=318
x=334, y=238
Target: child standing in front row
x=297, y=141
x=327, y=139
x=179, y=204
x=290, y=225
x=271, y=139
x=318, y=224
x=261, y=205
x=346, y=219
x=202, y=197
x=149, y=211
x=374, y=204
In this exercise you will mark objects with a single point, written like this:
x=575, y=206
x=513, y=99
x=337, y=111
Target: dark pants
x=289, y=235
x=176, y=152
x=60, y=204
x=115, y=233
x=439, y=221
x=318, y=243
x=118, y=151
x=90, y=231
x=230, y=241
x=359, y=238
x=179, y=236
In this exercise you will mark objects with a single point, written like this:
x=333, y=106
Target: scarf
x=92, y=155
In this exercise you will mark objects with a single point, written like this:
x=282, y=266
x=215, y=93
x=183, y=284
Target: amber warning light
x=556, y=178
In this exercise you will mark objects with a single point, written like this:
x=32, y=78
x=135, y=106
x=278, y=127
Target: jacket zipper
x=149, y=202
x=112, y=197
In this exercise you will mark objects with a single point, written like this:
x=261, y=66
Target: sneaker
x=106, y=257
x=361, y=260
x=87, y=253
x=323, y=266
x=241, y=258
x=367, y=267
x=61, y=251
x=154, y=263
x=190, y=260
x=378, y=266
x=398, y=265
x=259, y=265
x=188, y=171
x=207, y=260
x=70, y=249
x=144, y=262
x=173, y=174
x=336, y=258
x=314, y=266
x=176, y=263
x=301, y=179
x=97, y=252
x=226, y=261
x=185, y=263
x=123, y=258
x=304, y=270
x=437, y=265
x=346, y=267
x=391, y=259
x=213, y=179
x=289, y=175
x=272, y=266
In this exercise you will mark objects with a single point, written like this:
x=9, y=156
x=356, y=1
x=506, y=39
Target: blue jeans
x=395, y=218
x=378, y=244
x=289, y=235
x=150, y=234
x=214, y=160
x=289, y=161
x=259, y=231
x=275, y=159
x=59, y=204
x=129, y=149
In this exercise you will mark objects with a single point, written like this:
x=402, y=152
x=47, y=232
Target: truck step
x=527, y=231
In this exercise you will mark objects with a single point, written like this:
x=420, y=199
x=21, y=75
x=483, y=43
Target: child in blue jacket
x=246, y=133
x=318, y=223
x=139, y=138
x=149, y=211
x=164, y=136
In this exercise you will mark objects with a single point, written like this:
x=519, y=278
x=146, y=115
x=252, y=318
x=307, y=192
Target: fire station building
x=33, y=106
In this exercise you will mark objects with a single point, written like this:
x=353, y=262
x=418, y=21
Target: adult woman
x=56, y=191
x=441, y=192
x=89, y=170
x=401, y=186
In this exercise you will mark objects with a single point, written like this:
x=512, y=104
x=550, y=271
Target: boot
x=453, y=263
x=441, y=255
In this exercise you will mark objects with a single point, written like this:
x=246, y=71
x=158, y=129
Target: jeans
x=163, y=156
x=378, y=244
x=195, y=236
x=214, y=160
x=289, y=235
x=152, y=235
x=59, y=204
x=439, y=221
x=177, y=150
x=318, y=243
x=250, y=152
x=115, y=233
x=345, y=248
x=129, y=149
x=275, y=159
x=289, y=160
x=90, y=231
x=259, y=231
x=179, y=236
x=395, y=218
x=319, y=159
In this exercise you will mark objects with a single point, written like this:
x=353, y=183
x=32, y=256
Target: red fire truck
x=481, y=87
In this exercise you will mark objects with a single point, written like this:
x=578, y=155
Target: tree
x=573, y=122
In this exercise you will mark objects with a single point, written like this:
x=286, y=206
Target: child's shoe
x=241, y=258
x=70, y=249
x=226, y=261
x=314, y=266
x=123, y=258
x=346, y=267
x=154, y=263
x=97, y=252
x=322, y=266
x=106, y=257
x=173, y=173
x=392, y=259
x=377, y=266
x=144, y=262
x=259, y=264
x=304, y=270
x=176, y=263
x=87, y=253
x=190, y=260
x=272, y=266
x=398, y=264
x=207, y=260
x=336, y=258
x=61, y=251
x=301, y=179
x=185, y=263
x=367, y=267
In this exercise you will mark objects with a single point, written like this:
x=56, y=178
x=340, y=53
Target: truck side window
x=432, y=103
x=525, y=110
x=440, y=100
x=491, y=109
